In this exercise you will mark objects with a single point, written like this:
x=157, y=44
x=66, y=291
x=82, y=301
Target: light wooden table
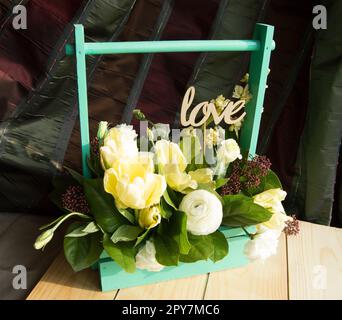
x=307, y=266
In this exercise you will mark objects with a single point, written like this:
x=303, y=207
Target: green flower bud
x=102, y=130
x=149, y=217
x=43, y=239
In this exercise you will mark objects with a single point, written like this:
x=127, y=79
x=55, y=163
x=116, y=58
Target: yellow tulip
x=178, y=180
x=133, y=184
x=119, y=143
x=169, y=153
x=204, y=175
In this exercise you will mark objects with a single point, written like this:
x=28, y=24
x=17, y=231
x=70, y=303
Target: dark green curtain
x=317, y=185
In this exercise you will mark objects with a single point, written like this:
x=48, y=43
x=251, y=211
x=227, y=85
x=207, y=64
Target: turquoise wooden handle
x=98, y=48
x=261, y=47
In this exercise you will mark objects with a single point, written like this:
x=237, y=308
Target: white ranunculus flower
x=228, y=151
x=146, y=258
x=262, y=246
x=161, y=130
x=203, y=210
x=119, y=143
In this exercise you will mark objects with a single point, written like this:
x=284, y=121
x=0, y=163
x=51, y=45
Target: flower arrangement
x=154, y=201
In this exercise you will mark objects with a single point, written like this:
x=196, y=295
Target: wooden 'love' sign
x=260, y=47
x=208, y=109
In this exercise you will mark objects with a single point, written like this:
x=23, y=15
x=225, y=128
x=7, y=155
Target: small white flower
x=236, y=127
x=242, y=93
x=203, y=210
x=220, y=103
x=214, y=136
x=146, y=258
x=161, y=130
x=188, y=132
x=227, y=152
x=262, y=246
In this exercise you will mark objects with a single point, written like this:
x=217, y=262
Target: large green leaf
x=83, y=230
x=167, y=249
x=82, y=252
x=123, y=253
x=173, y=198
x=177, y=229
x=142, y=237
x=202, y=248
x=220, y=245
x=166, y=211
x=126, y=233
x=172, y=239
x=127, y=214
x=102, y=206
x=240, y=210
x=75, y=175
x=168, y=200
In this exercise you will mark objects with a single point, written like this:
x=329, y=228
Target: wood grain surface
x=307, y=266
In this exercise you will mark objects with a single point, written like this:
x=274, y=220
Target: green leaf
x=91, y=227
x=168, y=200
x=82, y=252
x=126, y=233
x=102, y=206
x=123, y=253
x=175, y=198
x=77, y=232
x=142, y=237
x=221, y=182
x=270, y=181
x=240, y=210
x=166, y=211
x=167, y=249
x=201, y=249
x=220, y=245
x=177, y=229
x=128, y=215
x=75, y=175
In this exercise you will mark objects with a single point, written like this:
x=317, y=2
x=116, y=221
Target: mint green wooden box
x=111, y=275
